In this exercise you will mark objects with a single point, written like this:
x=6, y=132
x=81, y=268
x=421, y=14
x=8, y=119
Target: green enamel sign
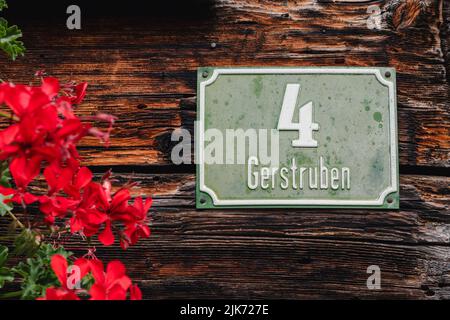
x=297, y=137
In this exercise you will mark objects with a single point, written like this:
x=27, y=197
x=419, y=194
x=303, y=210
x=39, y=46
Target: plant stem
x=13, y=294
x=16, y=220
x=4, y=114
x=8, y=115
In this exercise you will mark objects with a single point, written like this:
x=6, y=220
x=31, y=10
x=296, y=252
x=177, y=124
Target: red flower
x=24, y=143
x=135, y=293
x=78, y=182
x=113, y=284
x=80, y=92
x=25, y=99
x=100, y=209
x=56, y=206
x=45, y=128
x=72, y=182
x=57, y=177
x=136, y=226
x=44, y=134
x=59, y=266
x=117, y=209
x=50, y=87
x=18, y=196
x=114, y=206
x=25, y=170
x=87, y=217
x=59, y=294
x=46, y=131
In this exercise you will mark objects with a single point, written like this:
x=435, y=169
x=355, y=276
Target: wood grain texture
x=141, y=66
x=281, y=253
x=141, y=71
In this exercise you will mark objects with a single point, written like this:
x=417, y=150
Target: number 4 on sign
x=305, y=125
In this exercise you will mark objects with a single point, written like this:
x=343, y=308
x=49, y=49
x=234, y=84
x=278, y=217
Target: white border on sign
x=393, y=187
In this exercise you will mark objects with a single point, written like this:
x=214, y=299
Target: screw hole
x=202, y=200
x=205, y=74
x=387, y=74
x=390, y=200
x=429, y=293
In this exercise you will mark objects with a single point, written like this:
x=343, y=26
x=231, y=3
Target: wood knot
x=164, y=142
x=404, y=13
x=428, y=292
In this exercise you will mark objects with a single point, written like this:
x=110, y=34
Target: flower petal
x=135, y=293
x=59, y=267
x=117, y=293
x=97, y=292
x=114, y=271
x=80, y=92
x=107, y=236
x=50, y=86
x=59, y=294
x=83, y=178
x=84, y=266
x=97, y=271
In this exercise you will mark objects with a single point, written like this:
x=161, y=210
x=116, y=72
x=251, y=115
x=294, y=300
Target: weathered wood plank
x=287, y=268
x=445, y=36
x=141, y=72
x=423, y=217
x=417, y=192
x=281, y=253
x=142, y=68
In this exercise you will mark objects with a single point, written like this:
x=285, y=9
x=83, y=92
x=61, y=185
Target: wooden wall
x=141, y=65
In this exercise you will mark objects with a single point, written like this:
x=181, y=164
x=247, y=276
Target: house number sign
x=297, y=137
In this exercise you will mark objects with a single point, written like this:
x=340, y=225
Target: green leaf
x=6, y=274
x=5, y=175
x=3, y=255
x=4, y=208
x=3, y=5
x=9, y=42
x=26, y=243
x=36, y=272
x=9, y=37
x=5, y=181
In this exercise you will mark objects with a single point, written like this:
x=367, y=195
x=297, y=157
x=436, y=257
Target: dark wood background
x=141, y=64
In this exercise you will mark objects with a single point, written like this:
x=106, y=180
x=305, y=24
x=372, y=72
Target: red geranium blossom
x=18, y=195
x=136, y=226
x=113, y=284
x=40, y=132
x=42, y=141
x=46, y=132
x=100, y=208
x=60, y=266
